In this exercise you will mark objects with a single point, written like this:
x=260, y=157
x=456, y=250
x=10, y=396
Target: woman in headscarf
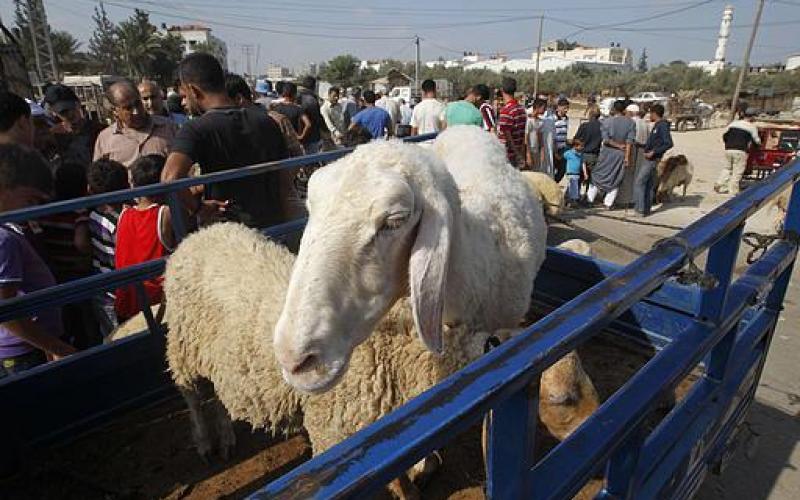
x=619, y=134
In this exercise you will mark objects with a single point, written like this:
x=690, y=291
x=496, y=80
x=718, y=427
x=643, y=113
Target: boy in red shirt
x=144, y=233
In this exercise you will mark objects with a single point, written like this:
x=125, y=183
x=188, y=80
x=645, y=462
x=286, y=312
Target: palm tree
x=139, y=43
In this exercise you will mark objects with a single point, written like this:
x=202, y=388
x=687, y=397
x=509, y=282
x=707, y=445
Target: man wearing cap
x=739, y=137
x=75, y=135
x=134, y=133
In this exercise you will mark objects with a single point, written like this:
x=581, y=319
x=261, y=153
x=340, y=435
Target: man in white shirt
x=333, y=114
x=426, y=117
x=392, y=107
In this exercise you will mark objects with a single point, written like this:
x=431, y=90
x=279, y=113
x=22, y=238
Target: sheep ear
x=427, y=270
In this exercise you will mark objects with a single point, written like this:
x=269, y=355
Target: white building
x=613, y=54
x=275, y=72
x=195, y=35
x=793, y=62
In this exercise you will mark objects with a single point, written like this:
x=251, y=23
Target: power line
x=256, y=28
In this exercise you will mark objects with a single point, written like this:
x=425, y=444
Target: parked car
x=606, y=104
x=650, y=97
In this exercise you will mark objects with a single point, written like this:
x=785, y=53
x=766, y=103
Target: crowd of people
x=213, y=122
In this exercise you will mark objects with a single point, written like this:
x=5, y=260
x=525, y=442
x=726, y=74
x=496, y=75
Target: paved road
x=771, y=472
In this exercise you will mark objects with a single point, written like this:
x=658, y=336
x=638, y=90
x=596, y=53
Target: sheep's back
x=504, y=233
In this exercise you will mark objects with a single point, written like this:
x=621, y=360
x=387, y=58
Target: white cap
x=633, y=108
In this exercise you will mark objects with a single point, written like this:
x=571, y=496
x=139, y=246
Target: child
x=574, y=167
x=67, y=249
x=25, y=181
x=144, y=233
x=105, y=176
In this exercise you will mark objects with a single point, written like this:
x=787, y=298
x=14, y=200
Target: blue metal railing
x=614, y=436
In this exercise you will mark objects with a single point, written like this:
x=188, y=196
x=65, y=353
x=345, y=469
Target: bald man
x=152, y=98
x=134, y=133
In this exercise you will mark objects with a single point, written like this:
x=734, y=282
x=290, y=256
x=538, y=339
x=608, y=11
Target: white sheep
x=456, y=227
x=224, y=286
x=577, y=246
x=224, y=300
x=673, y=172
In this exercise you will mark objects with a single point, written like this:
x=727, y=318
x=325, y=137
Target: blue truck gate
x=702, y=318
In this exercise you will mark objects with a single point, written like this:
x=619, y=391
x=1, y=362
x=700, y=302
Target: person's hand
x=64, y=350
x=649, y=155
x=210, y=210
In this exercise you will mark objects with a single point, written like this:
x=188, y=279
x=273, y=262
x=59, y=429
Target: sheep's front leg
x=225, y=436
x=200, y=430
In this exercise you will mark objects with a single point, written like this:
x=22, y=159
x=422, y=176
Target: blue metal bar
x=620, y=480
x=177, y=216
x=512, y=433
x=30, y=213
x=720, y=263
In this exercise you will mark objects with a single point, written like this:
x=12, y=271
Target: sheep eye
x=394, y=221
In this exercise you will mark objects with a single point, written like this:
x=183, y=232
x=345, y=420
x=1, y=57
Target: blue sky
x=281, y=31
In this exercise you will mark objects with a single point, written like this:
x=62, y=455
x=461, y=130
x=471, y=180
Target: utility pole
x=538, y=56
x=247, y=51
x=42, y=46
x=746, y=64
x=416, y=65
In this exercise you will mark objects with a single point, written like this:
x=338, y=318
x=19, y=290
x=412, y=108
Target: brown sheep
x=673, y=172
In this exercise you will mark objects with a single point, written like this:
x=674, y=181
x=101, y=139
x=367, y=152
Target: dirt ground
x=148, y=454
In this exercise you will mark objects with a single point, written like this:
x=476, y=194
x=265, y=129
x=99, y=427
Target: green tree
x=341, y=70
x=66, y=50
x=163, y=67
x=104, y=44
x=641, y=66
x=138, y=43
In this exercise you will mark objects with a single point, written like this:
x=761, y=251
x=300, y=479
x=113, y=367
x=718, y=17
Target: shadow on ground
x=754, y=469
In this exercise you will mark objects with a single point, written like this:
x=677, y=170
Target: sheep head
x=379, y=227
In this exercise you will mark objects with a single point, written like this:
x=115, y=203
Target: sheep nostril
x=307, y=363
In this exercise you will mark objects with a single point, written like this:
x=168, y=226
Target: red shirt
x=138, y=240
x=511, y=122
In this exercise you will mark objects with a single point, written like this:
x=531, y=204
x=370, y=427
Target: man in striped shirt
x=561, y=125
x=511, y=124
x=486, y=109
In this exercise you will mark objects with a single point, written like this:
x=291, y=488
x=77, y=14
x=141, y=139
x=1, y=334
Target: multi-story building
x=195, y=36
x=276, y=72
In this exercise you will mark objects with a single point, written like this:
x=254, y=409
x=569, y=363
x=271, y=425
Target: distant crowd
x=211, y=122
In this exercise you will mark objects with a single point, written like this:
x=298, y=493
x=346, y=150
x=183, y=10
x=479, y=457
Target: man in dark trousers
x=591, y=135
x=658, y=143
x=227, y=137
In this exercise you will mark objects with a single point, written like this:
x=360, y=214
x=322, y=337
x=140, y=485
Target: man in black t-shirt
x=227, y=137
x=308, y=100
